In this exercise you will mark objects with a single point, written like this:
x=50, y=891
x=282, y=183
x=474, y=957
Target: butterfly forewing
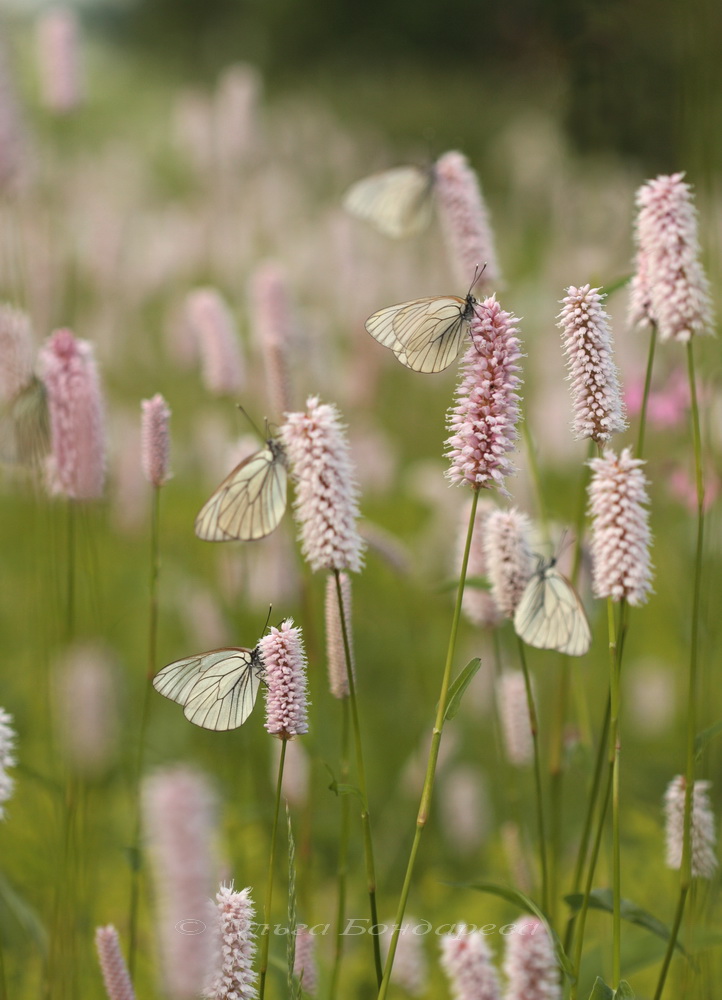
x=250, y=502
x=426, y=335
x=397, y=202
x=550, y=614
x=217, y=689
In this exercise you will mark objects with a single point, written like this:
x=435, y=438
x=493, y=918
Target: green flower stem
x=534, y=726
x=647, y=385
x=614, y=749
x=135, y=865
x=263, y=964
x=342, y=852
x=686, y=867
x=361, y=775
x=426, y=794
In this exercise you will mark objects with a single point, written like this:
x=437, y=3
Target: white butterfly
x=397, y=202
x=550, y=614
x=217, y=689
x=25, y=426
x=250, y=502
x=426, y=335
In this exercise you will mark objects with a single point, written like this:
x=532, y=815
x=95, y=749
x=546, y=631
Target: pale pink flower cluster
x=477, y=604
x=530, y=964
x=514, y=717
x=666, y=407
x=112, y=964
x=233, y=977
x=509, y=558
x=219, y=346
x=620, y=528
x=67, y=367
x=177, y=819
x=335, y=649
x=482, y=422
x=465, y=809
x=7, y=758
x=59, y=60
x=284, y=659
x=273, y=324
x=466, y=960
x=235, y=115
x=704, y=841
x=465, y=220
x=155, y=440
x=326, y=493
x=13, y=134
x=670, y=287
x=16, y=352
x=87, y=698
x=587, y=339
x=304, y=966
x=411, y=968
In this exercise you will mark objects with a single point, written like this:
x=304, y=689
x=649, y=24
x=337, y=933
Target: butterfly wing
x=397, y=202
x=550, y=615
x=217, y=689
x=250, y=502
x=426, y=335
x=25, y=426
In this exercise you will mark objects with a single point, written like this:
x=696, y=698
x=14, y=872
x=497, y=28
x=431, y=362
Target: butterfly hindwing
x=426, y=335
x=550, y=614
x=397, y=202
x=217, y=689
x=250, y=502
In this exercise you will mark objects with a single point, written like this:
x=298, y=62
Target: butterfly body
x=397, y=202
x=217, y=689
x=250, y=502
x=426, y=335
x=550, y=614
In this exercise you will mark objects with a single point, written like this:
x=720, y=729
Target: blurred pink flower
x=274, y=329
x=218, y=342
x=411, y=968
x=304, y=966
x=7, y=758
x=13, y=134
x=155, y=440
x=667, y=407
x=620, y=528
x=284, y=660
x=233, y=977
x=477, y=604
x=88, y=702
x=326, y=492
x=670, y=287
x=68, y=369
x=514, y=717
x=684, y=489
x=509, y=558
x=482, y=421
x=112, y=964
x=465, y=220
x=587, y=338
x=466, y=960
x=704, y=840
x=530, y=963
x=59, y=60
x=235, y=115
x=16, y=352
x=335, y=650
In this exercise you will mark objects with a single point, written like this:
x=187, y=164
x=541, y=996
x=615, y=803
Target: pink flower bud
x=155, y=440
x=112, y=964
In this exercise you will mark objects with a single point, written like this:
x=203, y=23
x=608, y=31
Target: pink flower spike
x=704, y=841
x=218, y=343
x=509, y=558
x=335, y=649
x=670, y=287
x=7, y=758
x=112, y=964
x=466, y=960
x=233, y=977
x=326, y=492
x=16, y=352
x=155, y=440
x=620, y=528
x=530, y=964
x=59, y=60
x=284, y=659
x=482, y=422
x=68, y=369
x=304, y=966
x=587, y=338
x=465, y=220
x=514, y=717
x=411, y=968
x=274, y=328
x=477, y=604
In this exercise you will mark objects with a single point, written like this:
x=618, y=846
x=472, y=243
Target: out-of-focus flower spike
x=465, y=220
x=335, y=650
x=112, y=964
x=530, y=963
x=7, y=758
x=58, y=45
x=155, y=440
x=274, y=328
x=704, y=841
x=467, y=961
x=218, y=342
x=304, y=966
x=514, y=717
x=477, y=604
x=509, y=558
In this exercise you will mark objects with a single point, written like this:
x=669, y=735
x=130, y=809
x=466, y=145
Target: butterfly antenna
x=268, y=618
x=248, y=418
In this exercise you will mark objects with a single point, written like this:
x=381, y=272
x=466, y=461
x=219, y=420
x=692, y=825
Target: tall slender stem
x=614, y=700
x=427, y=791
x=361, y=775
x=671, y=943
x=541, y=831
x=135, y=861
x=263, y=964
x=647, y=386
x=342, y=852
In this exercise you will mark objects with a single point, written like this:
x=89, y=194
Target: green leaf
x=615, y=285
x=602, y=899
x=624, y=991
x=523, y=901
x=475, y=582
x=459, y=686
x=600, y=991
x=703, y=738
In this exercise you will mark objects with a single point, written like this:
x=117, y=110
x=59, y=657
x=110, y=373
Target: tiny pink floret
x=284, y=659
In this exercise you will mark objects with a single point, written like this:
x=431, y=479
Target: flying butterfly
x=398, y=202
x=550, y=614
x=217, y=689
x=25, y=426
x=426, y=335
x=250, y=502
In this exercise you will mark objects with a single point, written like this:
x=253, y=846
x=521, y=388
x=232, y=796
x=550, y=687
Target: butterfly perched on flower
x=250, y=501
x=217, y=689
x=397, y=202
x=550, y=614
